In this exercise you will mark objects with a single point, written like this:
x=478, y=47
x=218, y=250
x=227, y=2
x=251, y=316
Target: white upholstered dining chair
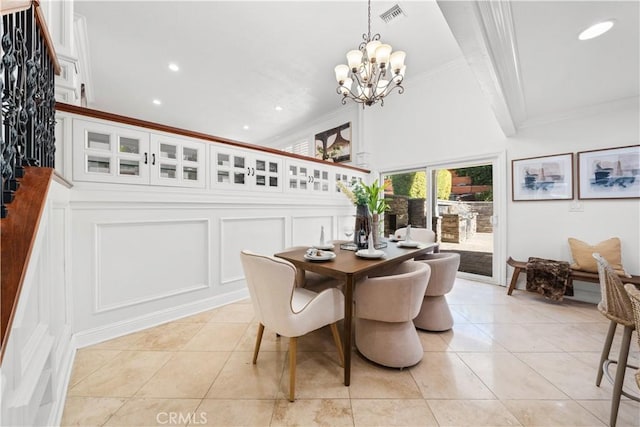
x=288, y=310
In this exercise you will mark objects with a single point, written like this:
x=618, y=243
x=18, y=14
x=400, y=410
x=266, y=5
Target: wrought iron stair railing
x=27, y=70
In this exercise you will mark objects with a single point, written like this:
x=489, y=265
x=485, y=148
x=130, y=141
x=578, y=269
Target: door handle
x=153, y=158
x=146, y=158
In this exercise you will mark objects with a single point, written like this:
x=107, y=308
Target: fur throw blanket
x=549, y=278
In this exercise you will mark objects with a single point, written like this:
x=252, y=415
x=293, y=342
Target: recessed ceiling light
x=157, y=102
x=278, y=108
x=596, y=30
x=173, y=66
x=245, y=127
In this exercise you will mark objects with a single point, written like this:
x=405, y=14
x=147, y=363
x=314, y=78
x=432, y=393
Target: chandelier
x=373, y=71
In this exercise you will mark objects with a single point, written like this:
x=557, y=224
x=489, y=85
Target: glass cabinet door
x=320, y=180
x=110, y=153
x=265, y=173
x=177, y=162
x=230, y=168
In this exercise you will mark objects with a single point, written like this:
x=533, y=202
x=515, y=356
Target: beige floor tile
x=236, y=313
x=318, y=376
x=446, y=376
x=517, y=337
x=89, y=411
x=592, y=360
x=501, y=313
x=470, y=338
x=237, y=413
x=432, y=341
x=240, y=379
x=510, y=378
x=88, y=361
x=567, y=373
x=392, y=413
x=153, y=412
x=270, y=341
x=462, y=413
x=551, y=413
x=169, y=336
x=216, y=337
x=318, y=340
x=186, y=375
x=371, y=381
x=566, y=311
x=313, y=412
x=202, y=317
x=571, y=337
x=628, y=413
x=123, y=376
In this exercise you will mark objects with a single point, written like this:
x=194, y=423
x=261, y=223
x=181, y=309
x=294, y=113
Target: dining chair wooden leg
x=620, y=370
x=258, y=341
x=606, y=350
x=293, y=341
x=338, y=341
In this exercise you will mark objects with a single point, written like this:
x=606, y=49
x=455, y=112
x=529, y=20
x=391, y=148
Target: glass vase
x=375, y=229
x=363, y=221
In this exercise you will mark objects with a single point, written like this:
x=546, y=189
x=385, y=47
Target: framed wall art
x=611, y=173
x=334, y=144
x=542, y=178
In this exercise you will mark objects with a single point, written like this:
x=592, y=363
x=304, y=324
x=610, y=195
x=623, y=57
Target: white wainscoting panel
x=260, y=235
x=305, y=230
x=139, y=262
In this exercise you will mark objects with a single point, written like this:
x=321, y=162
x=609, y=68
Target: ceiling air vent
x=392, y=14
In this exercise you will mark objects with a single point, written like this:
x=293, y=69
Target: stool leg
x=514, y=280
x=620, y=368
x=606, y=350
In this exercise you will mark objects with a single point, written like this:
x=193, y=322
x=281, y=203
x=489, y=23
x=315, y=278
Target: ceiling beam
x=484, y=31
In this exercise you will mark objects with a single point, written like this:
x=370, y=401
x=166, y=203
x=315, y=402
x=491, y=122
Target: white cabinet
x=245, y=170
x=308, y=177
x=347, y=177
x=106, y=153
x=177, y=162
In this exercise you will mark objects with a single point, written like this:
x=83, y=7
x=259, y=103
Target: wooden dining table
x=348, y=267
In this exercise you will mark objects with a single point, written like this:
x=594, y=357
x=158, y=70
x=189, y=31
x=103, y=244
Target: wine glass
x=348, y=231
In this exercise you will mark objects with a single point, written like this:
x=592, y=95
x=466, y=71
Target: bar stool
x=615, y=306
x=634, y=295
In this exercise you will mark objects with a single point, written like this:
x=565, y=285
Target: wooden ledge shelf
x=582, y=276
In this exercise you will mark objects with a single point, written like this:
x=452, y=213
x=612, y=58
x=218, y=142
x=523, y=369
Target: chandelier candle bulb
x=397, y=60
x=372, y=48
x=382, y=54
x=354, y=58
x=342, y=71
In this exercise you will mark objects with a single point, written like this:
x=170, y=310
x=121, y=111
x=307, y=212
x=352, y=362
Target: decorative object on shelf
x=611, y=173
x=334, y=144
x=373, y=71
x=542, y=178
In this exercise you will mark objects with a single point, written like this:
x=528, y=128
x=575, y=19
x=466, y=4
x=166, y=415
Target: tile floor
x=509, y=361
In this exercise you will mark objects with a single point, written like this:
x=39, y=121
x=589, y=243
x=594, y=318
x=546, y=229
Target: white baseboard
x=114, y=330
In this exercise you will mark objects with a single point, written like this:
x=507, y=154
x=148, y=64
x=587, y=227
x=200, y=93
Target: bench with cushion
x=579, y=275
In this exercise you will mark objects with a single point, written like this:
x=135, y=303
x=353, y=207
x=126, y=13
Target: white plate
x=325, y=247
x=408, y=244
x=364, y=253
x=326, y=256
